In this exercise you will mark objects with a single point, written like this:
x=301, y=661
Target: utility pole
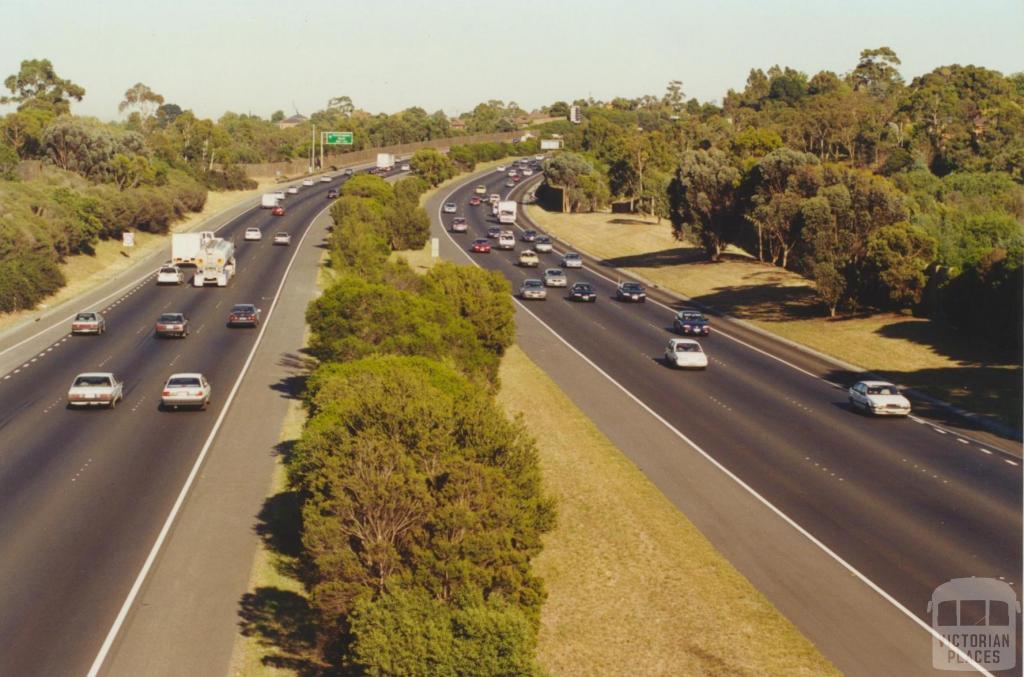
x=321, y=150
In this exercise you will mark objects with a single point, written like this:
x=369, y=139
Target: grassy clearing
x=633, y=587
x=912, y=351
x=84, y=273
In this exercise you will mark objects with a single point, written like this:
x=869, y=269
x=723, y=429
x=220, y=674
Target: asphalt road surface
x=83, y=493
x=907, y=504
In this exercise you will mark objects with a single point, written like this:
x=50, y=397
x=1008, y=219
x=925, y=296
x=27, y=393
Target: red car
x=278, y=211
x=475, y=201
x=481, y=247
x=516, y=178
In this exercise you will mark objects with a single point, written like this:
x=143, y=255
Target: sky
x=259, y=56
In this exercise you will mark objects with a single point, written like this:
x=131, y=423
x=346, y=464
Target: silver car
x=186, y=390
x=88, y=323
x=555, y=277
x=95, y=389
x=572, y=260
x=542, y=245
x=533, y=289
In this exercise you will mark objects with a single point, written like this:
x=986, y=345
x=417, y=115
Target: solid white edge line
x=768, y=504
x=129, y=601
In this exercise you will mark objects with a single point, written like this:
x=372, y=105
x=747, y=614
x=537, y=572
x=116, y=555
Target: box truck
x=186, y=246
x=507, y=211
x=269, y=200
x=385, y=162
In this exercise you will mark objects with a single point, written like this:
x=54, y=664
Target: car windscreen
x=183, y=382
x=632, y=287
x=882, y=390
x=687, y=348
x=85, y=317
x=92, y=382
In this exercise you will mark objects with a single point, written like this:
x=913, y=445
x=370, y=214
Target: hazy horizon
x=257, y=57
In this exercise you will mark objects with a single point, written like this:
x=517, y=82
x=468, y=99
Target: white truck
x=507, y=211
x=185, y=247
x=269, y=200
x=385, y=162
x=215, y=263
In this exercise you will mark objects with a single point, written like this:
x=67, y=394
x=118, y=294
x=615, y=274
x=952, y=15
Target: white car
x=572, y=260
x=88, y=323
x=293, y=190
x=186, y=390
x=555, y=277
x=879, y=398
x=405, y=167
x=282, y=238
x=307, y=182
x=500, y=168
x=533, y=289
x=538, y=158
x=527, y=171
x=542, y=245
x=450, y=208
x=95, y=389
x=325, y=179
x=506, y=240
x=685, y=354
x=170, y=275
x=280, y=195
x=253, y=234
x=528, y=258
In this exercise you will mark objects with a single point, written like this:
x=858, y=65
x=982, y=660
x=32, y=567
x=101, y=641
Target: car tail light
x=166, y=393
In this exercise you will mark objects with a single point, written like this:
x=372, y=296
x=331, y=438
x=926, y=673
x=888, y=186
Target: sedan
x=277, y=211
x=170, y=275
x=533, y=289
x=171, y=324
x=332, y=194
x=88, y=323
x=631, y=291
x=542, y=245
x=528, y=236
x=405, y=167
x=307, y=182
x=480, y=247
x=515, y=179
x=528, y=259
x=450, y=208
x=480, y=190
x=475, y=201
x=459, y=225
x=499, y=168
x=572, y=260
x=282, y=238
x=582, y=291
x=527, y=172
x=879, y=398
x=349, y=172
x=510, y=184
x=252, y=234
x=555, y=277
x=244, y=314
x=493, y=232
x=186, y=390
x=95, y=389
x=293, y=190
x=685, y=354
x=690, y=322
x=325, y=178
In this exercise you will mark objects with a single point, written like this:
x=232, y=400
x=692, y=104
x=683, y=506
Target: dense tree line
x=887, y=194
x=422, y=506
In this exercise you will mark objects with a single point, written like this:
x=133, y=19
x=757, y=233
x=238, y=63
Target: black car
x=244, y=314
x=528, y=236
x=332, y=194
x=691, y=323
x=631, y=291
x=493, y=232
x=582, y=291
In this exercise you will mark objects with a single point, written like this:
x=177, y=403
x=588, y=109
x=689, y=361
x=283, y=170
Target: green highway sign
x=339, y=138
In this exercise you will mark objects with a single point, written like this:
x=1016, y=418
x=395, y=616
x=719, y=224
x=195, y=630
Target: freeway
x=904, y=503
x=83, y=493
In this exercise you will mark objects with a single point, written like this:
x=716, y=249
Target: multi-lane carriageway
x=907, y=503
x=83, y=493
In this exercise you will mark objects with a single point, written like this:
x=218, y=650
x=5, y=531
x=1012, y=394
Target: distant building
x=574, y=115
x=292, y=121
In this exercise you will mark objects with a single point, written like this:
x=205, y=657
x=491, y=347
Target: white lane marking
x=985, y=451
x=24, y=366
x=174, y=360
x=735, y=478
x=7, y=377
x=962, y=440
x=108, y=358
x=1006, y=460
x=115, y=629
x=34, y=359
x=16, y=370
x=939, y=430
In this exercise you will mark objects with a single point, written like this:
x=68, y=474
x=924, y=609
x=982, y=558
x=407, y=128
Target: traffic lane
x=149, y=458
x=899, y=478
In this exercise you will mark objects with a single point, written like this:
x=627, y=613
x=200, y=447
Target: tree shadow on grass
x=282, y=622
x=946, y=341
x=658, y=259
x=764, y=302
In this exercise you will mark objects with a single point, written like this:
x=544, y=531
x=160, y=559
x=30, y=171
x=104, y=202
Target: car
x=532, y=289
x=244, y=314
x=512, y=173
x=88, y=323
x=493, y=232
x=572, y=260
x=691, y=322
x=515, y=179
x=528, y=236
x=293, y=190
x=475, y=201
x=527, y=171
x=510, y=184
x=349, y=171
x=459, y=225
x=171, y=324
x=280, y=195
x=582, y=291
x=325, y=178
x=538, y=158
x=186, y=390
x=405, y=167
x=555, y=277
x=506, y=240
x=685, y=354
x=494, y=198
x=500, y=168
x=528, y=259
x=170, y=275
x=307, y=182
x=255, y=233
x=631, y=291
x=480, y=190
x=450, y=208
x=480, y=247
x=95, y=389
x=880, y=398
x=277, y=211
x=542, y=245
x=332, y=194
x=282, y=238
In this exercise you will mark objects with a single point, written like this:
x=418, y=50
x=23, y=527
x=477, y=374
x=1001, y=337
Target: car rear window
x=687, y=348
x=91, y=381
x=171, y=271
x=183, y=382
x=172, y=317
x=85, y=317
x=242, y=309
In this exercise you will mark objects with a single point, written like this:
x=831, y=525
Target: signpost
x=339, y=138
x=127, y=239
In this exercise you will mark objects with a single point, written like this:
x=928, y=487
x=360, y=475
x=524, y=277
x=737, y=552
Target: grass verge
x=915, y=352
x=633, y=587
